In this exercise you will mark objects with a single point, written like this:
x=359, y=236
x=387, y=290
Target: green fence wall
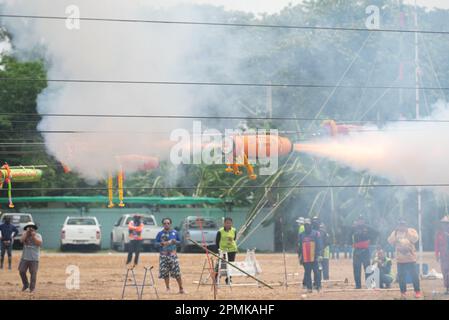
x=50, y=221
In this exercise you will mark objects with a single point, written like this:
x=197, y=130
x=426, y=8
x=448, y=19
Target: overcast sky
x=273, y=6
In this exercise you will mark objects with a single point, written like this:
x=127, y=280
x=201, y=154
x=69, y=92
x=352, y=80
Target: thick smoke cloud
x=109, y=51
x=403, y=152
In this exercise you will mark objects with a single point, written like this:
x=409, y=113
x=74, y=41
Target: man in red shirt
x=442, y=250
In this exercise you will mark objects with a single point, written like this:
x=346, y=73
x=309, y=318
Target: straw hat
x=300, y=220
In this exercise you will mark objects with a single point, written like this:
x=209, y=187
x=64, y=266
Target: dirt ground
x=102, y=274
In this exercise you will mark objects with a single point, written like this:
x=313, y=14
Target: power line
x=440, y=185
x=201, y=117
x=227, y=84
x=223, y=24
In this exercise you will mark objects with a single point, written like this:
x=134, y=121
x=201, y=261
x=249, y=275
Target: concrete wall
x=50, y=221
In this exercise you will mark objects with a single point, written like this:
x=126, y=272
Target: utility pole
x=417, y=118
x=269, y=101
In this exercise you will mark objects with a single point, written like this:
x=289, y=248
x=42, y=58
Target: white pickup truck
x=20, y=220
x=120, y=233
x=81, y=231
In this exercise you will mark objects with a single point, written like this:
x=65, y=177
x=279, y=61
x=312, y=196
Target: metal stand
x=223, y=269
x=134, y=284
x=152, y=283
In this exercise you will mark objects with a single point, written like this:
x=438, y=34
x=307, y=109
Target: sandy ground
x=102, y=275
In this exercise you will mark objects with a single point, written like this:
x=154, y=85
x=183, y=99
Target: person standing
x=326, y=251
x=167, y=239
x=135, y=228
x=361, y=237
x=310, y=254
x=226, y=242
x=32, y=242
x=404, y=240
x=300, y=222
x=7, y=233
x=442, y=250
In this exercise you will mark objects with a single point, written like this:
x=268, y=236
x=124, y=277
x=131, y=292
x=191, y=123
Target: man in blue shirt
x=7, y=233
x=167, y=240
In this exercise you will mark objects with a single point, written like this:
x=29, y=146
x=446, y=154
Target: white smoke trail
x=403, y=152
x=107, y=51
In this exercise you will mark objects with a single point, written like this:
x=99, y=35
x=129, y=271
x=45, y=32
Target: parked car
x=120, y=233
x=20, y=220
x=196, y=228
x=81, y=232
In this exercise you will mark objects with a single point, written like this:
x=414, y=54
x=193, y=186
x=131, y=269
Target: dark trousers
x=410, y=268
x=6, y=248
x=325, y=271
x=445, y=271
x=360, y=258
x=134, y=246
x=231, y=258
x=385, y=280
x=308, y=268
x=32, y=266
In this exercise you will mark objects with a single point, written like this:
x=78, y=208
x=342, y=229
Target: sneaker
x=418, y=294
x=403, y=296
x=167, y=290
x=182, y=291
x=309, y=291
x=24, y=288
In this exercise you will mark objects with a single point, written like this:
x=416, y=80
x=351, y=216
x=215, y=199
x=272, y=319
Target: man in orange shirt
x=135, y=228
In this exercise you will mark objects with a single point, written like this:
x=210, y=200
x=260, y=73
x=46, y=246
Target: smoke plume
x=403, y=152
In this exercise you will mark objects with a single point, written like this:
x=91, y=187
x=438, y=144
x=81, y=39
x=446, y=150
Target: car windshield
x=16, y=219
x=81, y=222
x=203, y=223
x=148, y=221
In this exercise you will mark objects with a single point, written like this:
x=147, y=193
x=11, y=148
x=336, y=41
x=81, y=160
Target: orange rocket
x=254, y=147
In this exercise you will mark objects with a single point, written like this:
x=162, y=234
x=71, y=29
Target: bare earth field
x=102, y=275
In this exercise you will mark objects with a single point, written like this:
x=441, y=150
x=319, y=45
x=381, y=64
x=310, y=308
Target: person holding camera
x=32, y=241
x=135, y=228
x=404, y=239
x=7, y=233
x=167, y=239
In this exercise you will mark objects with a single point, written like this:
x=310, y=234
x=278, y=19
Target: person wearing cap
x=135, y=228
x=167, y=239
x=32, y=242
x=404, y=240
x=316, y=223
x=7, y=233
x=442, y=250
x=361, y=237
x=310, y=252
x=300, y=222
